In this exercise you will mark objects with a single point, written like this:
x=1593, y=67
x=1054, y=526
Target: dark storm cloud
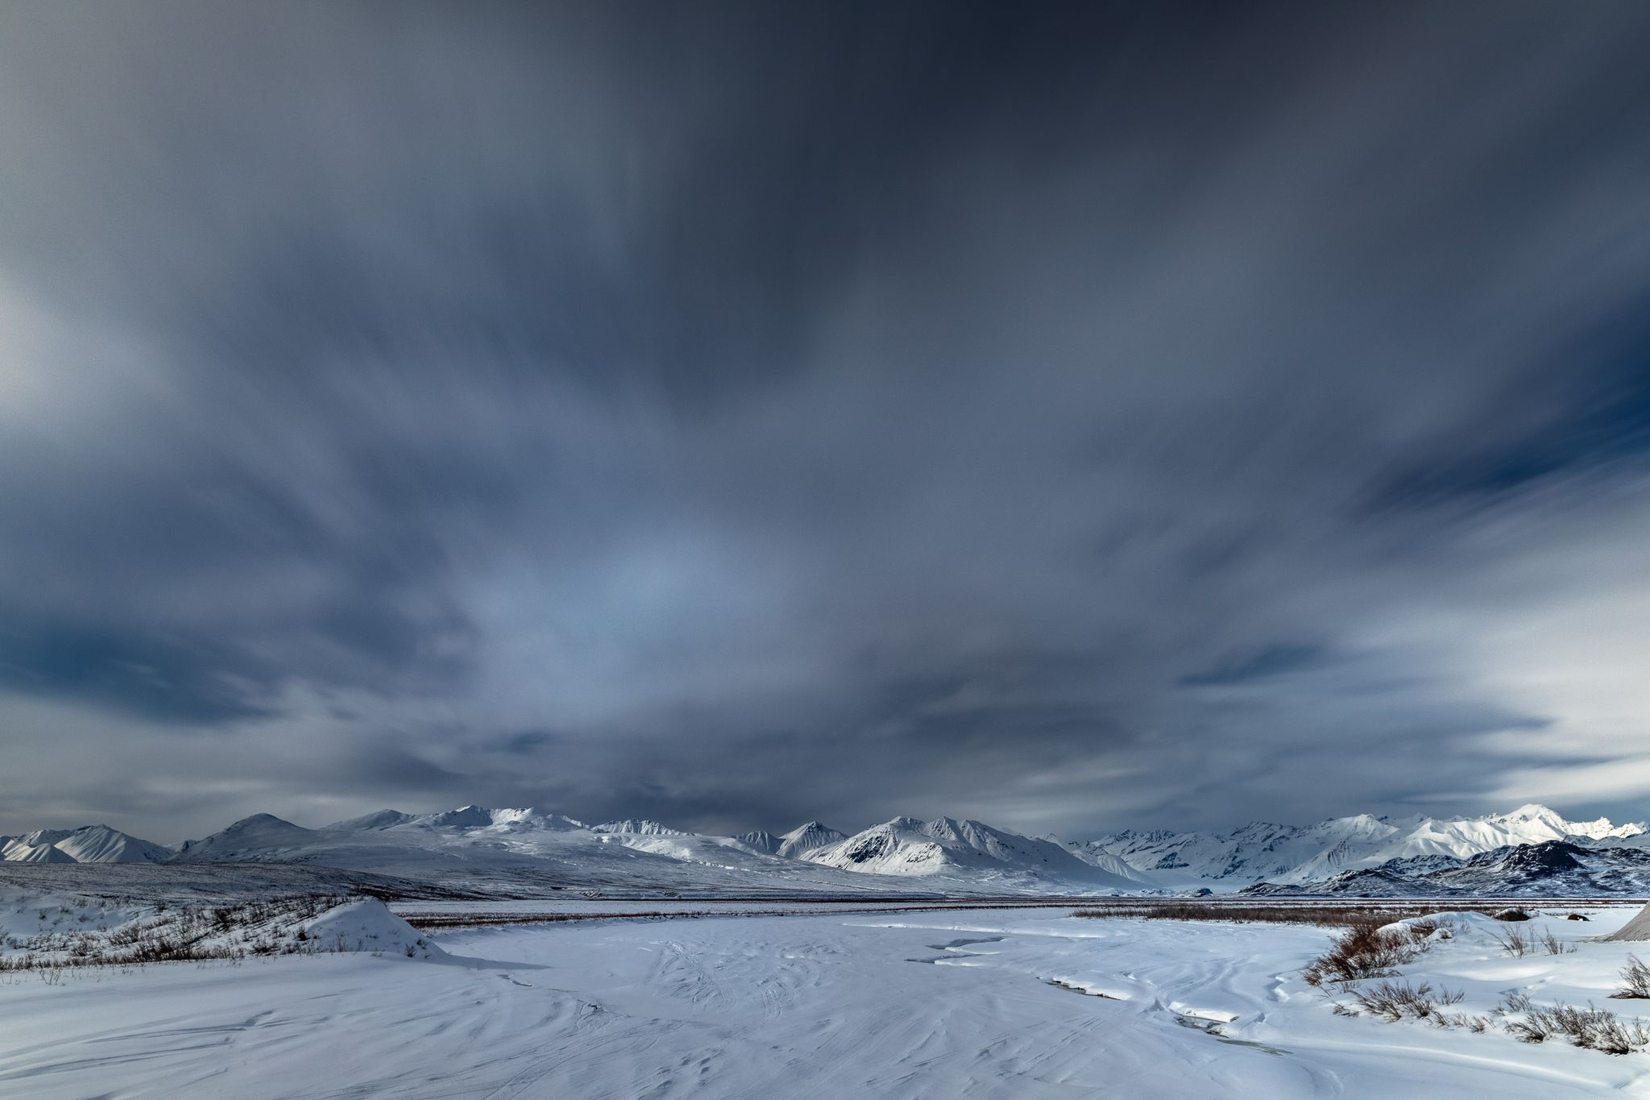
x=165, y=679
x=1602, y=414
x=737, y=413
x=1274, y=660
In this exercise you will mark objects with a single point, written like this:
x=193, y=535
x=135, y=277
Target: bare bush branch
x=1635, y=980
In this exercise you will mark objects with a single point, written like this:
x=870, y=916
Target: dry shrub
x=1590, y=1028
x=1363, y=951
x=1635, y=980
x=1393, y=1001
x=1514, y=942
x=187, y=933
x=1554, y=946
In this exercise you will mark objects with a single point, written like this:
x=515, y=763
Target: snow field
x=959, y=1004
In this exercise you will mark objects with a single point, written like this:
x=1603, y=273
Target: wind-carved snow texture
x=979, y=1003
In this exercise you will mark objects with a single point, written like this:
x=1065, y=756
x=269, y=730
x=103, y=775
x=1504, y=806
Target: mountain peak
x=638, y=827
x=805, y=838
x=1531, y=811
x=946, y=846
x=761, y=840
x=378, y=819
x=259, y=821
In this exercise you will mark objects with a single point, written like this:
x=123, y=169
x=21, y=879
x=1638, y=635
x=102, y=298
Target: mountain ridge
x=1291, y=855
x=532, y=850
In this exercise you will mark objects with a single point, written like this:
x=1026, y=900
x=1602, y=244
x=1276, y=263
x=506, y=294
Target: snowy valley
x=347, y=999
x=516, y=952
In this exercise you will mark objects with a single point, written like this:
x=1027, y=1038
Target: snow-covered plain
x=940, y=1004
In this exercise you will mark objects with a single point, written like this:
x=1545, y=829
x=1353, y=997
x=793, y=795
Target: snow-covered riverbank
x=941, y=1004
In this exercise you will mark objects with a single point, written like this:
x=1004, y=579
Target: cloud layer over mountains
x=737, y=413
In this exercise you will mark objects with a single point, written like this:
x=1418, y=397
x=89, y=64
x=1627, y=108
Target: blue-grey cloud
x=729, y=413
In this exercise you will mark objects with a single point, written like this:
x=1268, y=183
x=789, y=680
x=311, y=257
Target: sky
x=1071, y=417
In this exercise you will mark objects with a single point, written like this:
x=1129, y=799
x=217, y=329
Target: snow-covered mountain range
x=528, y=852
x=1284, y=854
x=87, y=844
x=524, y=849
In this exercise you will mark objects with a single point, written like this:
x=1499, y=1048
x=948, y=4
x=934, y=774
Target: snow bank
x=1638, y=928
x=47, y=930
x=366, y=925
x=1452, y=924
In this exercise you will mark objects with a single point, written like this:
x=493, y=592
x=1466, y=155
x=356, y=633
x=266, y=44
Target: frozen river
x=934, y=1004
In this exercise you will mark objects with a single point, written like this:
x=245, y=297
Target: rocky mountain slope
x=1293, y=855
x=1553, y=869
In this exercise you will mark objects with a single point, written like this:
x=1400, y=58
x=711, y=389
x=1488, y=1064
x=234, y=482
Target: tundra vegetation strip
x=458, y=918
x=1330, y=914
x=50, y=936
x=164, y=934
x=1365, y=952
